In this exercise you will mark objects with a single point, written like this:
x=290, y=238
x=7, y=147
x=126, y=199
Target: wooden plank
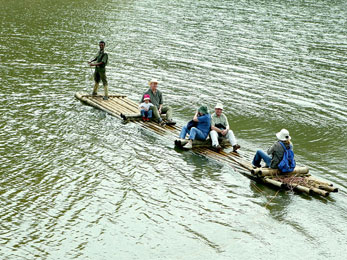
x=92, y=103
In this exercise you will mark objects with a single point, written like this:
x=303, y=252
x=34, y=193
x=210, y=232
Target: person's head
x=147, y=98
x=218, y=109
x=153, y=84
x=102, y=45
x=283, y=136
x=203, y=110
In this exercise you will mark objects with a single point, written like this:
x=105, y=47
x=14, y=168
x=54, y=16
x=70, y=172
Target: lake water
x=76, y=183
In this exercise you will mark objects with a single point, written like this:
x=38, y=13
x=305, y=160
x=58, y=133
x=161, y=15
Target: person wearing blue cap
x=198, y=128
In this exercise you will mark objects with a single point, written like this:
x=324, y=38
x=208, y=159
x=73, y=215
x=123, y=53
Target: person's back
x=204, y=124
x=277, y=152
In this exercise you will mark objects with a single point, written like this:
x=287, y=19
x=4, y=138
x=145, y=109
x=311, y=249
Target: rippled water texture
x=78, y=184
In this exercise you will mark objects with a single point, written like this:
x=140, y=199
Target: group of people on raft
x=201, y=126
x=204, y=125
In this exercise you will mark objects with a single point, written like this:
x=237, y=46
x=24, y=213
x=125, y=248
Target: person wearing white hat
x=275, y=153
x=220, y=128
x=157, y=100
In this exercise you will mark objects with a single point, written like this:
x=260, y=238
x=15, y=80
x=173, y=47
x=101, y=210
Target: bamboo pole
x=319, y=191
x=101, y=104
x=117, y=107
x=271, y=172
x=101, y=96
x=301, y=188
x=240, y=161
x=274, y=182
x=108, y=105
x=328, y=188
x=324, y=187
x=137, y=116
x=199, y=143
x=129, y=107
x=311, y=178
x=125, y=108
x=219, y=157
x=92, y=103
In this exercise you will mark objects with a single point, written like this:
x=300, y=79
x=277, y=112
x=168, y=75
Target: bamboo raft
x=298, y=180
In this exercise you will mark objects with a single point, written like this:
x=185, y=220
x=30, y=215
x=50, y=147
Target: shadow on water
x=200, y=165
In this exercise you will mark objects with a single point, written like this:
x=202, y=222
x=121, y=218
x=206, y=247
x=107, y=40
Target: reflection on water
x=76, y=183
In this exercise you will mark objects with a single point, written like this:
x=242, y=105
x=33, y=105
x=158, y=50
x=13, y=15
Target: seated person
x=200, y=131
x=220, y=128
x=275, y=153
x=157, y=100
x=146, y=113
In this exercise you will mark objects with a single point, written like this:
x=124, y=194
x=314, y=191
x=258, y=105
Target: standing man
x=220, y=128
x=100, y=69
x=157, y=100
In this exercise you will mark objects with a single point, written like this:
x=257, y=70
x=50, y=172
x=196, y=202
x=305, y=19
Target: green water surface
x=76, y=183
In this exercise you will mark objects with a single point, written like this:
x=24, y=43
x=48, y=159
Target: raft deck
x=299, y=180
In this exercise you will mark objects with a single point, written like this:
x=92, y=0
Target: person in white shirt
x=220, y=128
x=145, y=110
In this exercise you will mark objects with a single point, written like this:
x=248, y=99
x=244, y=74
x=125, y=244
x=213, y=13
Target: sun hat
x=153, y=81
x=283, y=135
x=219, y=106
x=146, y=97
x=203, y=110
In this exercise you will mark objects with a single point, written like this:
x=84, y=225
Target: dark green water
x=78, y=184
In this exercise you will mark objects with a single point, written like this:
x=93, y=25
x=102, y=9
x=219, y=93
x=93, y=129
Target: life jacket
x=288, y=163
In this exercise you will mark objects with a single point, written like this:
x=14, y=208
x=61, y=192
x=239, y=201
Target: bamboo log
x=133, y=109
x=137, y=117
x=118, y=102
x=302, y=188
x=101, y=96
x=328, y=188
x=117, y=107
x=319, y=191
x=239, y=160
x=108, y=104
x=92, y=103
x=223, y=159
x=111, y=107
x=268, y=171
x=274, y=182
x=324, y=187
x=200, y=143
x=320, y=181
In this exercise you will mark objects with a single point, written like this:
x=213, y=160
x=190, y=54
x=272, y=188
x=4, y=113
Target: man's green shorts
x=100, y=75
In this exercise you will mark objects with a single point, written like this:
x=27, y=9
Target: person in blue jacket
x=198, y=128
